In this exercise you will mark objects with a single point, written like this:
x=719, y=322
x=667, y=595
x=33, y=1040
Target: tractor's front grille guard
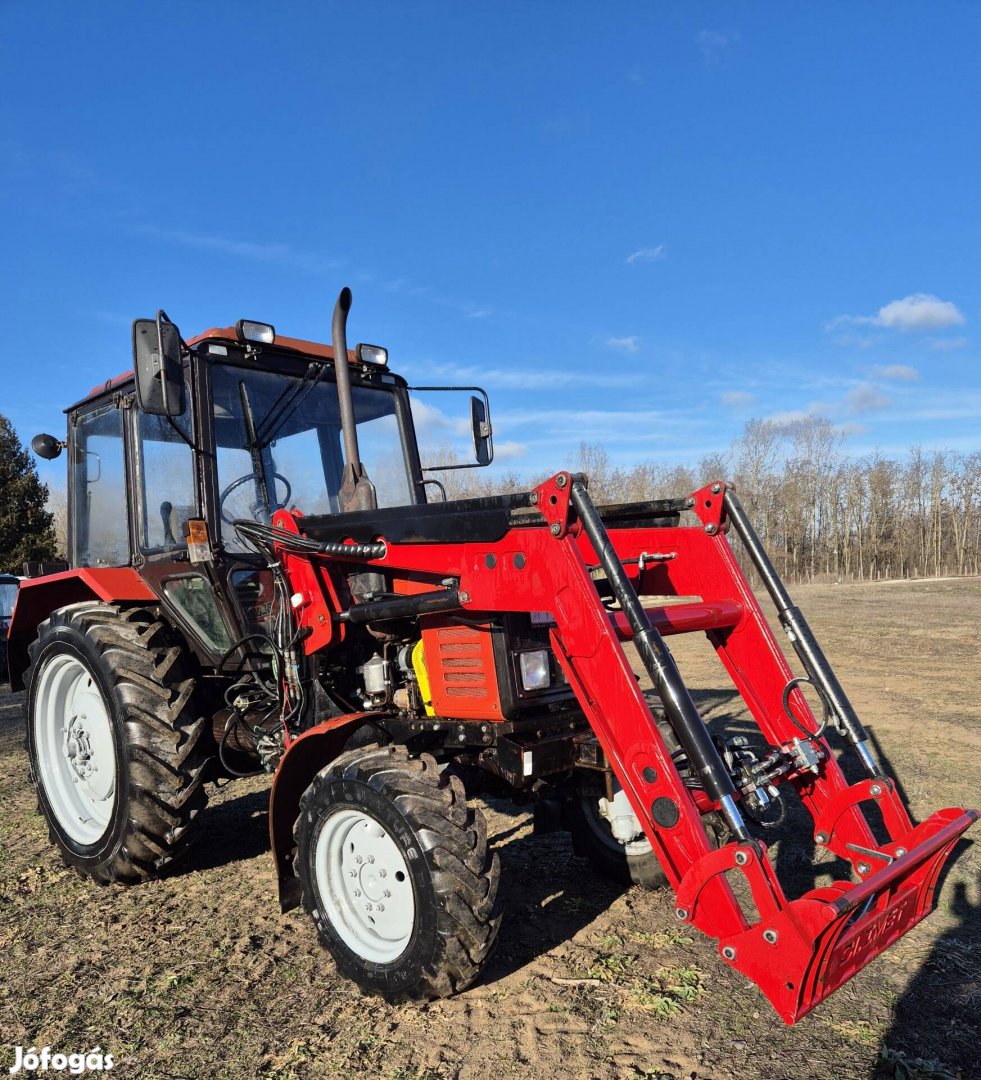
x=798, y=951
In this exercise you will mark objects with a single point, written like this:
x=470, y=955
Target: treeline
x=822, y=514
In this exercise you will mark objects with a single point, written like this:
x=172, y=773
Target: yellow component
x=422, y=675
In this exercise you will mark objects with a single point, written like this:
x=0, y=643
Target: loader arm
x=797, y=950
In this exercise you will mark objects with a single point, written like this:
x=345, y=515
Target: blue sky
x=639, y=224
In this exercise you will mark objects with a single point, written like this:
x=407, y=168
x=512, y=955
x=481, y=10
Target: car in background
x=8, y=595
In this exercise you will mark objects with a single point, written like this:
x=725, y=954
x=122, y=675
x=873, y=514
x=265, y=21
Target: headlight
x=534, y=670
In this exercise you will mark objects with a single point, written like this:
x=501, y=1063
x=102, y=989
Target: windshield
x=8, y=594
x=302, y=466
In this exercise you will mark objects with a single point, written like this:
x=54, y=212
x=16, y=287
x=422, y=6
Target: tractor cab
x=233, y=425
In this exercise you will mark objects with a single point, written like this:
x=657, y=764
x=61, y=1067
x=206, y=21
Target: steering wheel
x=236, y=484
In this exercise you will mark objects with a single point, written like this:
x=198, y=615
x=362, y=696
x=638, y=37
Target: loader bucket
x=803, y=950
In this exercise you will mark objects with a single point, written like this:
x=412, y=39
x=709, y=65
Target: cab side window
x=167, y=471
x=100, y=529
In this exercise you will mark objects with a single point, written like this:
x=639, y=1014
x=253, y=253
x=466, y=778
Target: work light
x=260, y=332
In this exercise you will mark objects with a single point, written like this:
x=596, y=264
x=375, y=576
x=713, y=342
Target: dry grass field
x=198, y=975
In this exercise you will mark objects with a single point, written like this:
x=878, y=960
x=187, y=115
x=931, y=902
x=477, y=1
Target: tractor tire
x=116, y=749
x=397, y=875
x=633, y=863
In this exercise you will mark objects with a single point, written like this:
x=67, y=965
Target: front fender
x=304, y=758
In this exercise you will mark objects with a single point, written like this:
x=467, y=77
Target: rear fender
x=38, y=597
x=304, y=758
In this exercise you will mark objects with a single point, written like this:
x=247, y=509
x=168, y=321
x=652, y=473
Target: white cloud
x=851, y=429
x=642, y=255
x=427, y=417
x=897, y=372
x=865, y=398
x=947, y=344
x=714, y=44
x=786, y=418
x=736, y=399
x=523, y=378
x=274, y=252
x=627, y=344
x=918, y=311
x=509, y=451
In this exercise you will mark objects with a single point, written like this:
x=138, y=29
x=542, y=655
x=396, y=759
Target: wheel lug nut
x=356, y=892
x=383, y=873
x=358, y=859
x=367, y=907
x=371, y=858
x=352, y=873
x=386, y=894
x=381, y=907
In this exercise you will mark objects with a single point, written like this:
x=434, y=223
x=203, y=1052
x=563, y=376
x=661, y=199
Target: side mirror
x=480, y=428
x=157, y=363
x=47, y=446
x=483, y=445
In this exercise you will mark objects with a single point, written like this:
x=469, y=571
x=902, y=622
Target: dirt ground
x=198, y=975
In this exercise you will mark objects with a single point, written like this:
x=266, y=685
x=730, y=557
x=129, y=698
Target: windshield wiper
x=255, y=449
x=290, y=399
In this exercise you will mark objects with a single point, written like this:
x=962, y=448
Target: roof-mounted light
x=258, y=332
x=372, y=354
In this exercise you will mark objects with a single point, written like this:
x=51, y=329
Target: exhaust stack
x=357, y=491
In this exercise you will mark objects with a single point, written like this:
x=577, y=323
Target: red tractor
x=378, y=651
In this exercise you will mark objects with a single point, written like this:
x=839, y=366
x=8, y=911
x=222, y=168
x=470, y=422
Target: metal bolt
x=380, y=907
x=352, y=873
x=464, y=598
x=681, y=913
x=371, y=858
x=729, y=952
x=358, y=859
x=556, y=529
x=741, y=858
x=383, y=873
x=689, y=503
x=561, y=480
x=863, y=867
x=355, y=892
x=716, y=488
x=821, y=838
x=461, y=738
x=367, y=907
x=711, y=529
x=900, y=852
x=770, y=936
x=387, y=893
x=875, y=790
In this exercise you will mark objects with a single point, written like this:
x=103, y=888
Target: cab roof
x=225, y=333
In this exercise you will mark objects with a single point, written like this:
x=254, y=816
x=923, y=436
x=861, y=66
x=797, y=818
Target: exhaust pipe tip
x=344, y=301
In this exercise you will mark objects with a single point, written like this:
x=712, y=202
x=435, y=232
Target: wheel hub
x=364, y=885
x=75, y=747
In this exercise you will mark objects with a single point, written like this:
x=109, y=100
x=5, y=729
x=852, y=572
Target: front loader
x=287, y=592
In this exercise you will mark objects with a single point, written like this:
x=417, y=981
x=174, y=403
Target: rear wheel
x=628, y=861
x=397, y=874
x=608, y=834
x=115, y=747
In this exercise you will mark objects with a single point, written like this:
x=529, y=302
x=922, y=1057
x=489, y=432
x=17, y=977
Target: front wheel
x=397, y=874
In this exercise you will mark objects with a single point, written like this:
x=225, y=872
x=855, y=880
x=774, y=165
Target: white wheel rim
x=364, y=886
x=76, y=753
